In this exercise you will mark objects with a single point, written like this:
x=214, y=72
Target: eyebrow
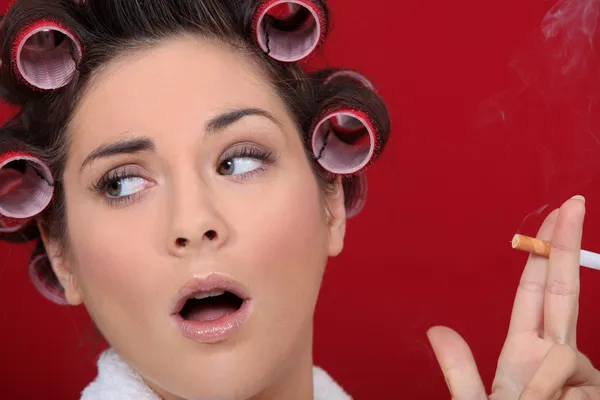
x=212, y=126
x=222, y=121
x=127, y=146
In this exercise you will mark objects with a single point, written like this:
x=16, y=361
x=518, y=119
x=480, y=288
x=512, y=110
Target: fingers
x=528, y=308
x=457, y=364
x=564, y=374
x=557, y=367
x=561, y=302
x=573, y=393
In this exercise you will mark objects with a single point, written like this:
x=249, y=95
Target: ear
x=336, y=218
x=61, y=267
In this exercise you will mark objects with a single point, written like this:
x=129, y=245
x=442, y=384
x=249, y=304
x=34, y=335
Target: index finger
x=528, y=308
x=561, y=302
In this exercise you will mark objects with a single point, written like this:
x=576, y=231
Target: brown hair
x=107, y=29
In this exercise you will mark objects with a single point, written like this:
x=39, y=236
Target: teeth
x=205, y=295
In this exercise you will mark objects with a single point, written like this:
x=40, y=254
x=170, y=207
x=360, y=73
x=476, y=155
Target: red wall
x=490, y=124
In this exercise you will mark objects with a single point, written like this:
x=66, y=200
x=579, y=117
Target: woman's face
x=187, y=177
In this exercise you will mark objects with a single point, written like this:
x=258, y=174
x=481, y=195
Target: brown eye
x=243, y=162
x=226, y=167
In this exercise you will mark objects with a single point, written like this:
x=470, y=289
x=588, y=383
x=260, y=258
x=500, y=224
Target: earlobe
x=336, y=218
x=61, y=267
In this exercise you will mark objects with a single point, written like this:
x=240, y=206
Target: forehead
x=183, y=81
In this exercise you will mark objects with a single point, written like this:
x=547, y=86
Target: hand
x=539, y=359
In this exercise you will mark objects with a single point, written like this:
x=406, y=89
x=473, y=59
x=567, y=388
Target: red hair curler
x=341, y=75
x=345, y=141
x=43, y=277
x=26, y=188
x=355, y=193
x=46, y=55
x=8, y=226
x=290, y=30
x=18, y=231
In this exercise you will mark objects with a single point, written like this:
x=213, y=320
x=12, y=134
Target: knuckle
x=568, y=356
x=532, y=286
x=562, y=247
x=562, y=288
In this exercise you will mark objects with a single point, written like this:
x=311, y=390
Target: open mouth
x=211, y=309
x=210, y=306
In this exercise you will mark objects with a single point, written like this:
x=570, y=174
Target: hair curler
x=9, y=226
x=46, y=55
x=26, y=188
x=345, y=140
x=43, y=277
x=336, y=76
x=355, y=193
x=18, y=231
x=290, y=30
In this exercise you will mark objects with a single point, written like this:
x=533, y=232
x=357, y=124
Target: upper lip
x=205, y=284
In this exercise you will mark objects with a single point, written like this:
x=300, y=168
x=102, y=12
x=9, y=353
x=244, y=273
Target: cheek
x=108, y=268
x=285, y=224
x=284, y=237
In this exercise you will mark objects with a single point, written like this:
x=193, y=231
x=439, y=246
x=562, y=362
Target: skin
x=275, y=230
x=540, y=359
x=275, y=227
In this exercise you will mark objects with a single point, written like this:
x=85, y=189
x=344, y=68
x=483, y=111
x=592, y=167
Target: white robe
x=116, y=381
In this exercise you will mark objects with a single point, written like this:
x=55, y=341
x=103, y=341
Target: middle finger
x=561, y=300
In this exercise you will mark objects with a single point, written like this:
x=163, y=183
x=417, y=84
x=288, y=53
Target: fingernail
x=578, y=197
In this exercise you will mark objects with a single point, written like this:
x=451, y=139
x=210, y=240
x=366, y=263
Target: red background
x=487, y=128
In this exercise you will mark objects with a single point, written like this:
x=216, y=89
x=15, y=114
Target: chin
x=229, y=373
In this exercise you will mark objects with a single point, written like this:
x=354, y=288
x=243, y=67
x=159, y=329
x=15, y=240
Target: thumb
x=457, y=364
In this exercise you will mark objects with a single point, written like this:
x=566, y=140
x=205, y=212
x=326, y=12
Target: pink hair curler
x=46, y=55
x=43, y=278
x=355, y=191
x=347, y=74
x=26, y=187
x=290, y=30
x=345, y=141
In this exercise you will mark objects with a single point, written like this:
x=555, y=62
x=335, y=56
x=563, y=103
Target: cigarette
x=541, y=248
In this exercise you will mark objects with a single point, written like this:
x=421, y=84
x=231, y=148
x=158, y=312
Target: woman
x=188, y=182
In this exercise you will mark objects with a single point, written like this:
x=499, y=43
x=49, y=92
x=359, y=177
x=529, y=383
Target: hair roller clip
x=46, y=55
x=26, y=188
x=345, y=141
x=345, y=75
x=290, y=30
x=43, y=277
x=355, y=193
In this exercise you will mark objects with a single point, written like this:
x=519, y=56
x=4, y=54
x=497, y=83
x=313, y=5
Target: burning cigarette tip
x=531, y=245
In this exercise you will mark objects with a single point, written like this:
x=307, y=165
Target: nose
x=196, y=222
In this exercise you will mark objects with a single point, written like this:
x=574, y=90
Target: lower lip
x=217, y=330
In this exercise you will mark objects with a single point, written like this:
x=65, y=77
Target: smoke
x=554, y=111
x=562, y=60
